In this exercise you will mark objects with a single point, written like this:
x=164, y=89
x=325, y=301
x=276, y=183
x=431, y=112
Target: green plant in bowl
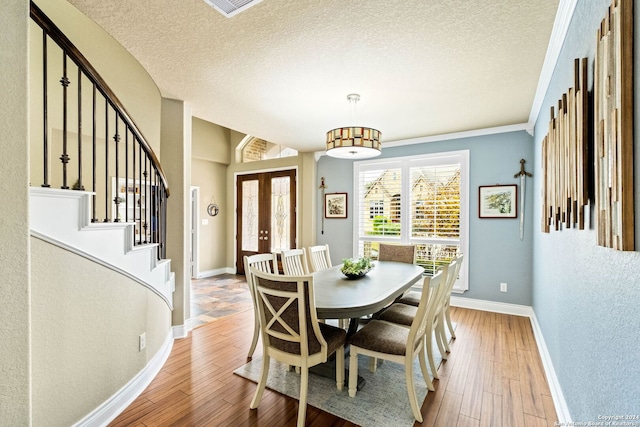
x=356, y=267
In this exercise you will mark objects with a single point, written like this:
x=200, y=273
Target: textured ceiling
x=281, y=70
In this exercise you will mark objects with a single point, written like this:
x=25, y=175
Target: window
x=376, y=208
x=419, y=200
x=396, y=208
x=256, y=149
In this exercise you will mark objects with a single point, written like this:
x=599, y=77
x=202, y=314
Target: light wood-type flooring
x=493, y=377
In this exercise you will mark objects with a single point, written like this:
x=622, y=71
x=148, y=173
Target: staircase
x=63, y=218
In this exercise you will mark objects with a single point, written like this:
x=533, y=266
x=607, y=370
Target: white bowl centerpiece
x=356, y=267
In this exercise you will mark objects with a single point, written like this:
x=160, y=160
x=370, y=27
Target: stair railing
x=124, y=173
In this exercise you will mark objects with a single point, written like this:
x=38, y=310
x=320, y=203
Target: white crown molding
x=564, y=417
x=558, y=35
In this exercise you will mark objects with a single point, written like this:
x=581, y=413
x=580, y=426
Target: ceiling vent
x=231, y=8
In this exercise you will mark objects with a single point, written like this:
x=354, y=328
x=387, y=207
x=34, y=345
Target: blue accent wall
x=496, y=253
x=587, y=298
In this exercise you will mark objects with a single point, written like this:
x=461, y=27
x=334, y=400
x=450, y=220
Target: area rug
x=383, y=401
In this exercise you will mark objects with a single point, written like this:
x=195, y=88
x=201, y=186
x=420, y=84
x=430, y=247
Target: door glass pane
x=250, y=216
x=280, y=218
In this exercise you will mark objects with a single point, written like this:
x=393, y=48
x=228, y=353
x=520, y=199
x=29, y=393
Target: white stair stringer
x=63, y=217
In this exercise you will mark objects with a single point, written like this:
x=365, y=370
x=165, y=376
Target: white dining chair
x=268, y=264
x=319, y=258
x=294, y=262
x=413, y=298
x=292, y=334
x=404, y=314
x=396, y=343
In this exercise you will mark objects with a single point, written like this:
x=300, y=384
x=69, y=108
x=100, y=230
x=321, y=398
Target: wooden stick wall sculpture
x=564, y=157
x=613, y=120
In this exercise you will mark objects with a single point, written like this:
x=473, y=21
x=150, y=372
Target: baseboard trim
x=215, y=272
x=564, y=417
x=492, y=306
x=116, y=404
x=182, y=331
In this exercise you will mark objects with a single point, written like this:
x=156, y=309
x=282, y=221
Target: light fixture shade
x=353, y=142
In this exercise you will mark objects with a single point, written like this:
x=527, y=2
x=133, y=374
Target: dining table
x=339, y=297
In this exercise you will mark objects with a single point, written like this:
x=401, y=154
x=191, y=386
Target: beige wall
x=210, y=178
x=176, y=161
x=86, y=323
x=306, y=192
x=210, y=142
x=15, y=327
x=210, y=155
x=138, y=92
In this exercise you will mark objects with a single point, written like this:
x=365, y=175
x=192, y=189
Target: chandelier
x=353, y=142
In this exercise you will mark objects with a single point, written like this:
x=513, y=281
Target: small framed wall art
x=335, y=205
x=498, y=201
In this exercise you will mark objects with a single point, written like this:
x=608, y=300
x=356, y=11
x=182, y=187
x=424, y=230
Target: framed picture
x=335, y=205
x=498, y=201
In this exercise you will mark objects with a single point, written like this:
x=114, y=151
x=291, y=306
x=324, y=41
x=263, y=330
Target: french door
x=266, y=217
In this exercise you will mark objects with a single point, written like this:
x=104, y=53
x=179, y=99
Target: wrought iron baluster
x=133, y=178
x=146, y=198
x=93, y=161
x=116, y=197
x=138, y=201
x=78, y=185
x=45, y=113
x=106, y=160
x=64, y=158
x=126, y=173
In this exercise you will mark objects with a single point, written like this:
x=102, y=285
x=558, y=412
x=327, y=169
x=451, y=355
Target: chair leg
x=340, y=368
x=262, y=382
x=373, y=364
x=256, y=334
x=429, y=348
x=302, y=403
x=413, y=399
x=449, y=324
x=353, y=372
x=423, y=367
x=441, y=339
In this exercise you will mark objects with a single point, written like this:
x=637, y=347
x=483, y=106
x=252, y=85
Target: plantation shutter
x=420, y=200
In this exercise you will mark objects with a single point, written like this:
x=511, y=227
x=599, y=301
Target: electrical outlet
x=503, y=287
x=142, y=341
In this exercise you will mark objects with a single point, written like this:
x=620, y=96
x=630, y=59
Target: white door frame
x=194, y=233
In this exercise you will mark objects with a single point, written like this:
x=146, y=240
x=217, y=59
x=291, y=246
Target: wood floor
x=493, y=377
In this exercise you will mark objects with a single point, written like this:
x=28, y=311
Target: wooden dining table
x=338, y=297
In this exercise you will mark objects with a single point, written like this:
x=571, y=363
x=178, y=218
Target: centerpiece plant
x=355, y=267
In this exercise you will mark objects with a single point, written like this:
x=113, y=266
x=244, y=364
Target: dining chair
x=294, y=262
x=413, y=297
x=399, y=253
x=319, y=258
x=268, y=264
x=388, y=341
x=404, y=314
x=291, y=332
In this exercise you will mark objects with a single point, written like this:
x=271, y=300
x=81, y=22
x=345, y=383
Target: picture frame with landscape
x=335, y=205
x=498, y=201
